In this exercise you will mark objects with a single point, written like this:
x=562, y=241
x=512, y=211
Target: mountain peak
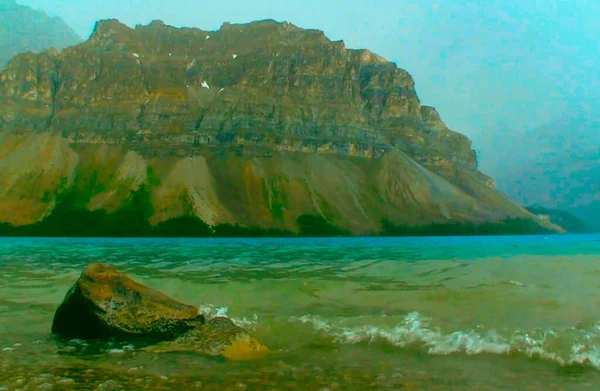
x=23, y=29
x=108, y=27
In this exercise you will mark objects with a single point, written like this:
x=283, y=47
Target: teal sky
x=484, y=64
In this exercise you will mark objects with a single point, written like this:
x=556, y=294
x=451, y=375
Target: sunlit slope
x=354, y=193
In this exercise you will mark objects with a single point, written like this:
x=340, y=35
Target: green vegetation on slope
x=508, y=226
x=69, y=219
x=132, y=220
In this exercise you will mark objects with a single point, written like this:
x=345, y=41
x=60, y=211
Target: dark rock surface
x=105, y=303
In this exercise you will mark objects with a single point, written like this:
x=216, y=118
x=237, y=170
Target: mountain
x=564, y=219
x=590, y=213
x=556, y=165
x=259, y=125
x=24, y=29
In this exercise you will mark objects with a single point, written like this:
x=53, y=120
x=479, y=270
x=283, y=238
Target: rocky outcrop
x=253, y=124
x=104, y=303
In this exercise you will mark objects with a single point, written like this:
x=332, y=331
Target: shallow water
x=514, y=313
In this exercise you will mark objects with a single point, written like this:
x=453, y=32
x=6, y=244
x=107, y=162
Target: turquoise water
x=354, y=313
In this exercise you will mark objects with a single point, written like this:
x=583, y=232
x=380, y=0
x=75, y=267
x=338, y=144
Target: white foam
x=414, y=330
x=211, y=311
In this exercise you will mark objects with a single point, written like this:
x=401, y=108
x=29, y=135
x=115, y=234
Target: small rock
x=110, y=385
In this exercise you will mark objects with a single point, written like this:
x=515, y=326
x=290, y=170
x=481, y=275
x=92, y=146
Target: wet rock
x=218, y=337
x=105, y=303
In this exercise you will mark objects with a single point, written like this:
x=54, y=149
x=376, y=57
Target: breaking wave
x=567, y=347
x=210, y=311
x=570, y=346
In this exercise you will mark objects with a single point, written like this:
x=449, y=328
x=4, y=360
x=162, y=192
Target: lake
x=459, y=313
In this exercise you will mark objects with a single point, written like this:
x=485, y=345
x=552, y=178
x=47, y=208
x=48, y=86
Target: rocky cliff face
x=253, y=124
x=24, y=29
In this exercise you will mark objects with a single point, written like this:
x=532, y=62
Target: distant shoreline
x=82, y=223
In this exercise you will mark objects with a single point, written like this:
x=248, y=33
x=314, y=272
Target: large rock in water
x=105, y=303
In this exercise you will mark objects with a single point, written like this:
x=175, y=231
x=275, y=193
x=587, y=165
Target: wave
x=210, y=311
x=570, y=346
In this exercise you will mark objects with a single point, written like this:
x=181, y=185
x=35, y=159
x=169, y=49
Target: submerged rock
x=105, y=303
x=218, y=337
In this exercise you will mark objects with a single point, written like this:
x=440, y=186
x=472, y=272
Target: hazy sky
x=483, y=64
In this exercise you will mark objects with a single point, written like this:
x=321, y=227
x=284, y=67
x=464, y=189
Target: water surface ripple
x=354, y=313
